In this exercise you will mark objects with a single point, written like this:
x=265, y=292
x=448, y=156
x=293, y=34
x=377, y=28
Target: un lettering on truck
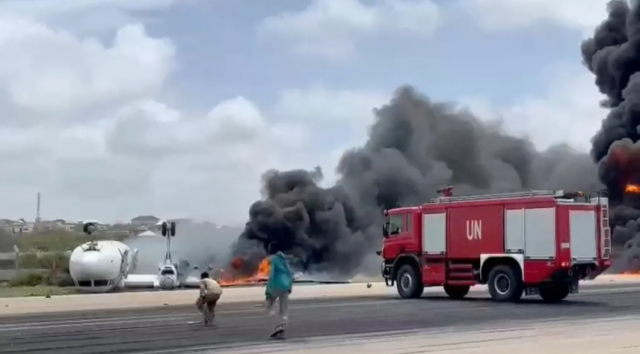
x=474, y=230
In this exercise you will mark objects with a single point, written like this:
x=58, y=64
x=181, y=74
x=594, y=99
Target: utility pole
x=37, y=221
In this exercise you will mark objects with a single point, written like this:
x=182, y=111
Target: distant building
x=15, y=226
x=58, y=224
x=148, y=233
x=182, y=221
x=145, y=220
x=23, y=227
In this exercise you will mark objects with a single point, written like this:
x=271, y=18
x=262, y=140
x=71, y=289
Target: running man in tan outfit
x=210, y=292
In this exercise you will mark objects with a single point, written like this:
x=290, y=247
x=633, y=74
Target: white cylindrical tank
x=98, y=270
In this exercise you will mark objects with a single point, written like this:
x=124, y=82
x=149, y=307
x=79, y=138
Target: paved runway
x=165, y=330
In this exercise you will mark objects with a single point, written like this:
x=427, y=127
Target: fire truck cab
x=538, y=242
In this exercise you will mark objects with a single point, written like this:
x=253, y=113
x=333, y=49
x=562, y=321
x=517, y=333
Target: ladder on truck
x=527, y=194
x=605, y=232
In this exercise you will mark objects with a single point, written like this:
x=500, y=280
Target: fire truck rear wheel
x=504, y=284
x=457, y=291
x=409, y=283
x=555, y=293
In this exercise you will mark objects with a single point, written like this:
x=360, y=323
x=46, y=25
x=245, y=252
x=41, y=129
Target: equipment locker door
x=584, y=238
x=540, y=233
x=434, y=233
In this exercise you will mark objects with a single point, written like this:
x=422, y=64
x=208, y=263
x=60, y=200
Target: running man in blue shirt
x=279, y=287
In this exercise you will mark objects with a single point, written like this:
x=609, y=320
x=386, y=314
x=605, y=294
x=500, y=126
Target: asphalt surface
x=167, y=328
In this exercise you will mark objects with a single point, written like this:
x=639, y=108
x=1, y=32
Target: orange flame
x=264, y=268
x=632, y=188
x=260, y=276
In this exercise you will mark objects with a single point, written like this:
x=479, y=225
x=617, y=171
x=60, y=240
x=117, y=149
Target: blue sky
x=280, y=84
x=221, y=54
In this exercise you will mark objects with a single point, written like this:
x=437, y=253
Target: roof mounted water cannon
x=571, y=194
x=446, y=192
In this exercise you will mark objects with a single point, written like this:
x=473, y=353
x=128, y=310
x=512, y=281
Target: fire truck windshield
x=385, y=225
x=394, y=224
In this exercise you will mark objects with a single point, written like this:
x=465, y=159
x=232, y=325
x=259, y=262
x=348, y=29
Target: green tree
x=60, y=240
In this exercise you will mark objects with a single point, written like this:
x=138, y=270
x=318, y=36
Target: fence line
x=8, y=256
x=8, y=274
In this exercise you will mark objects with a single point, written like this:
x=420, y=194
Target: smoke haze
x=414, y=147
x=613, y=56
x=199, y=244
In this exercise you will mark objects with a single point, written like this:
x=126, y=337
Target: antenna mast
x=37, y=221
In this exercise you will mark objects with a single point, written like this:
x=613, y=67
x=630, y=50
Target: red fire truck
x=534, y=243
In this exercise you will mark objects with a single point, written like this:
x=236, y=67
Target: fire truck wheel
x=555, y=293
x=408, y=283
x=457, y=291
x=504, y=285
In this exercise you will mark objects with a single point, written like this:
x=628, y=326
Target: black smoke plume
x=613, y=55
x=415, y=146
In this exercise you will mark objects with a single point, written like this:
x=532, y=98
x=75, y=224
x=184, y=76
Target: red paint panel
x=537, y=271
x=433, y=273
x=474, y=230
x=563, y=234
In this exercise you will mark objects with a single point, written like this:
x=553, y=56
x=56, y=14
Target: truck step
x=461, y=275
x=460, y=266
x=462, y=282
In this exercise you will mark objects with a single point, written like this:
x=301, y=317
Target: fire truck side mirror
x=385, y=230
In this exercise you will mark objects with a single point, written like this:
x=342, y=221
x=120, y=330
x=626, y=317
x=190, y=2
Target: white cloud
x=212, y=162
x=323, y=105
x=567, y=112
x=234, y=131
x=341, y=116
x=84, y=15
x=81, y=122
x=581, y=15
x=333, y=28
x=47, y=70
x=41, y=9
x=149, y=158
